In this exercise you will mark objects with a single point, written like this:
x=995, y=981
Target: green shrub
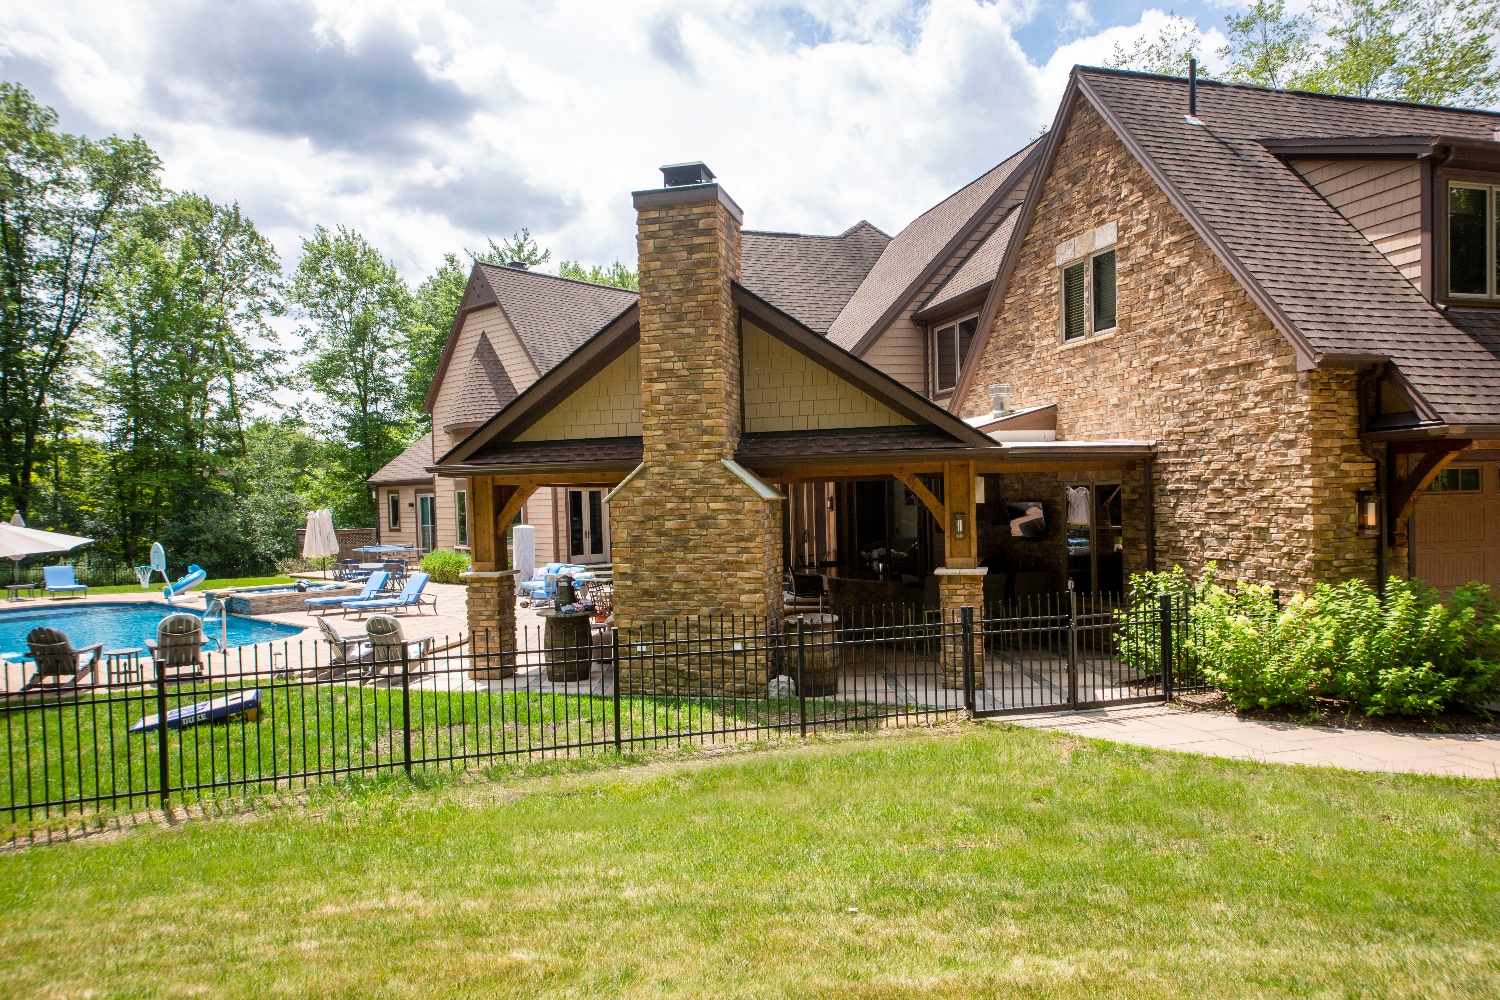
x=445, y=565
x=1258, y=655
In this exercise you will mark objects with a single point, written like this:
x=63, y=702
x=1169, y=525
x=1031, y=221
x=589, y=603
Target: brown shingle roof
x=810, y=278
x=408, y=467
x=1326, y=286
x=978, y=269
x=510, y=453
x=553, y=315
x=486, y=387
x=912, y=253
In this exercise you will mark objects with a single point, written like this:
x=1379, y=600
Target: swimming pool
x=120, y=626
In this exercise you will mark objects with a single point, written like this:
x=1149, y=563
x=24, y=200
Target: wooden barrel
x=567, y=646
x=820, y=654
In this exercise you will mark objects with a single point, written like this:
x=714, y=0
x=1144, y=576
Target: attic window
x=950, y=345
x=1471, y=241
x=1088, y=296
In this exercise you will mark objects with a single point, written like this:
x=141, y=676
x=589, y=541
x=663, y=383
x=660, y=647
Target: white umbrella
x=18, y=541
x=320, y=540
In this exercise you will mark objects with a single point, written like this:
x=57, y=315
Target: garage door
x=1455, y=527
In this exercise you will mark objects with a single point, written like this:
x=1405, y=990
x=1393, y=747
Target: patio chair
x=410, y=597
x=808, y=593
x=327, y=604
x=536, y=588
x=346, y=652
x=346, y=569
x=60, y=580
x=177, y=653
x=57, y=661
x=388, y=645
x=396, y=568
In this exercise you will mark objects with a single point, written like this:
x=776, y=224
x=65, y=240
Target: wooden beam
x=1407, y=489
x=482, y=523
x=958, y=495
x=508, y=503
x=932, y=503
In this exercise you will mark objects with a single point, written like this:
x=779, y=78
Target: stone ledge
x=970, y=571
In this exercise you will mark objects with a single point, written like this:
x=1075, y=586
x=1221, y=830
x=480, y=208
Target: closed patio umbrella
x=320, y=540
x=18, y=541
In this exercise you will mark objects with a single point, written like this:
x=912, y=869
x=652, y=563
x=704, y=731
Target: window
x=461, y=515
x=393, y=504
x=1088, y=296
x=1456, y=481
x=950, y=345
x=1471, y=241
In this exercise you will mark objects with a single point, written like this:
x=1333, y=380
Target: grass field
x=244, y=581
x=974, y=861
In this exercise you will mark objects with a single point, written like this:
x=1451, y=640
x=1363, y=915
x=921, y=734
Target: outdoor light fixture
x=1367, y=508
x=958, y=524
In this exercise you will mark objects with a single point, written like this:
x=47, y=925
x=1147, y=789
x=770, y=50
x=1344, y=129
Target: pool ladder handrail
x=223, y=637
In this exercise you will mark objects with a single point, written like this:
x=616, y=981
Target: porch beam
x=1406, y=489
x=934, y=506
x=495, y=505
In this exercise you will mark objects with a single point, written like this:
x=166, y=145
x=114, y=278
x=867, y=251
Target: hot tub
x=277, y=598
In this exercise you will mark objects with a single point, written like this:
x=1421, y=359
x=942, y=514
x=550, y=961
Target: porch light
x=958, y=524
x=1367, y=507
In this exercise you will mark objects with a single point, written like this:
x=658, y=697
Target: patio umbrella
x=18, y=541
x=320, y=540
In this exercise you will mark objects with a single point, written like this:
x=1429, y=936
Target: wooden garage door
x=1455, y=531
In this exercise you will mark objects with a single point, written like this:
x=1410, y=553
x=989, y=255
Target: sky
x=431, y=126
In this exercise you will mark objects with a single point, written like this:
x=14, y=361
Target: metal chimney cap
x=683, y=174
x=519, y=265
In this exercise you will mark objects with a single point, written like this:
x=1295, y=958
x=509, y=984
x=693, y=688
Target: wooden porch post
x=491, y=582
x=960, y=578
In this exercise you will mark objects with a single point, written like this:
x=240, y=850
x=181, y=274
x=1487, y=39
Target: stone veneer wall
x=1258, y=464
x=689, y=536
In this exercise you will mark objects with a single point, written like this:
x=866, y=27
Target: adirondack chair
x=177, y=652
x=346, y=653
x=388, y=645
x=58, y=662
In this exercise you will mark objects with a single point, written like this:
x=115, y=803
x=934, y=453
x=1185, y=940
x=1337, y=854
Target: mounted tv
x=1026, y=519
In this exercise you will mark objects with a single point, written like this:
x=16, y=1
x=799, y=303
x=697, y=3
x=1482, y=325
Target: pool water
x=121, y=626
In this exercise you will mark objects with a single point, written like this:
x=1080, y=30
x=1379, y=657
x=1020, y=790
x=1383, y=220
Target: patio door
x=426, y=521
x=588, y=527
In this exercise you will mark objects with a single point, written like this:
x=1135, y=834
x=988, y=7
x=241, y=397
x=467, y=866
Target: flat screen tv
x=1026, y=519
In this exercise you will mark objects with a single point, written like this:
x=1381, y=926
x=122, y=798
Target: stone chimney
x=692, y=533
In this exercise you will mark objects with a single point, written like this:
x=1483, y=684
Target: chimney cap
x=683, y=174
x=519, y=265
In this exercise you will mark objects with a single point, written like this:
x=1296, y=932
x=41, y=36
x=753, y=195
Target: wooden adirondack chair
x=177, y=652
x=58, y=662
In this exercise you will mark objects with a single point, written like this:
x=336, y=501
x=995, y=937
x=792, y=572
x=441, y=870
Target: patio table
x=14, y=590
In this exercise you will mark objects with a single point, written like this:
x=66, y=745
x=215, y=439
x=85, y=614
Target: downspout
x=1148, y=491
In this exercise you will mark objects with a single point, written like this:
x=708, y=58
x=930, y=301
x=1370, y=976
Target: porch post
x=960, y=578
x=491, y=598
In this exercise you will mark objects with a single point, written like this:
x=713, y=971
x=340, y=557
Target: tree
x=61, y=199
x=1168, y=53
x=436, y=303
x=615, y=274
x=521, y=248
x=358, y=312
x=1267, y=47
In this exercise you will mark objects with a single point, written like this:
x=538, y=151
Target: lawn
x=244, y=581
x=978, y=860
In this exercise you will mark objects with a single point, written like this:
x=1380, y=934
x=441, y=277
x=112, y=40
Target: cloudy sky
x=431, y=125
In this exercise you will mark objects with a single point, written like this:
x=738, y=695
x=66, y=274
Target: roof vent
x=519, y=265
x=1000, y=399
x=682, y=174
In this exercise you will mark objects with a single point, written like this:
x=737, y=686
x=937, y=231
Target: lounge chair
x=326, y=604
x=388, y=647
x=60, y=580
x=177, y=652
x=410, y=597
x=346, y=653
x=57, y=660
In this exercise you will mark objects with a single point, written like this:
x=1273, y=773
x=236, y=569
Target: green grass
x=243, y=581
x=979, y=862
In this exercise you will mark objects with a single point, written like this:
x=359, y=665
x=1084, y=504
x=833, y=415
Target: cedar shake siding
x=1257, y=464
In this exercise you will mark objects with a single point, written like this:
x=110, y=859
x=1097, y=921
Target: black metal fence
x=290, y=714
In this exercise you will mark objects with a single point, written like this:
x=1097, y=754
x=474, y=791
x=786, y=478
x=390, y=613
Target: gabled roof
x=486, y=389
x=810, y=277
x=977, y=270
x=1337, y=299
x=919, y=250
x=408, y=467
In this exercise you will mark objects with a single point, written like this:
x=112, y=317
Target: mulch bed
x=1341, y=715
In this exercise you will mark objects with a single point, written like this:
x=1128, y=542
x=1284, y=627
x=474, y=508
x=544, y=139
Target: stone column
x=958, y=587
x=492, y=623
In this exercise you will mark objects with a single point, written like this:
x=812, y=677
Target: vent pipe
x=1192, y=87
x=1000, y=399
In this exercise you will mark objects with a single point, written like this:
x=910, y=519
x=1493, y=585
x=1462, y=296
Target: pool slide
x=195, y=576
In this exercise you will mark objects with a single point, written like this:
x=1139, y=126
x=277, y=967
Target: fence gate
x=1072, y=651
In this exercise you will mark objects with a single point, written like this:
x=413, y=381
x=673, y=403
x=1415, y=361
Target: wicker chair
x=177, y=652
x=388, y=645
x=58, y=662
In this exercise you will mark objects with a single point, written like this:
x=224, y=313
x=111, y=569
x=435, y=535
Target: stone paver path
x=1168, y=728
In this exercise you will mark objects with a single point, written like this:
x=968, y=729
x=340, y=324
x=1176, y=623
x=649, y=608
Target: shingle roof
x=979, y=268
x=1322, y=282
x=913, y=251
x=553, y=315
x=844, y=441
x=486, y=387
x=810, y=277
x=408, y=467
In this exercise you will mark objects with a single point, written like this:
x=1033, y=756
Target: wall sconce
x=830, y=503
x=1367, y=510
x=958, y=524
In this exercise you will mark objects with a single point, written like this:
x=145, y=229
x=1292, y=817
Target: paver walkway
x=1216, y=735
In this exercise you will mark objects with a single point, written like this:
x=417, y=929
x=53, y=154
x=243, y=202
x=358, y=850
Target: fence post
x=161, y=732
x=966, y=634
x=1072, y=646
x=614, y=653
x=406, y=709
x=1164, y=601
x=801, y=657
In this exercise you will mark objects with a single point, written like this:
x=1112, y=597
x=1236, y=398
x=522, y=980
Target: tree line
x=144, y=383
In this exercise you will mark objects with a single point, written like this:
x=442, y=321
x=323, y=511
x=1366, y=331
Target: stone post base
x=492, y=624
x=957, y=588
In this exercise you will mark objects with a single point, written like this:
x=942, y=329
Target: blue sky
x=433, y=125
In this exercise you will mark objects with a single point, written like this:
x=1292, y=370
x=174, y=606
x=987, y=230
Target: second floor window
x=950, y=345
x=1088, y=296
x=1471, y=241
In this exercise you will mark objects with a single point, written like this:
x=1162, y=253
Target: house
x=1293, y=295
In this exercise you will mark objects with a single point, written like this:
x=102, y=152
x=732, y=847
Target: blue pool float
x=195, y=576
x=219, y=709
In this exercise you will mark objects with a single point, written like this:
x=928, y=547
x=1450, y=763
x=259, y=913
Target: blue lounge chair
x=325, y=604
x=410, y=597
x=60, y=580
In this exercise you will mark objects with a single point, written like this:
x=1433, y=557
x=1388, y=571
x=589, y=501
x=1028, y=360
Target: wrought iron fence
x=290, y=714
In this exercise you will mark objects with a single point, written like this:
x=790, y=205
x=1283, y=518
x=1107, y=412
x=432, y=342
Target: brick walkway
x=1216, y=735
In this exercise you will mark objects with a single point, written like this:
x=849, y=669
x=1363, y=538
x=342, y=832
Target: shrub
x=445, y=565
x=1258, y=655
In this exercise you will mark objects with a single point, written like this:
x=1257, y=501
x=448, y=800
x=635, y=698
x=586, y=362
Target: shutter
x=1104, y=291
x=965, y=338
x=947, y=366
x=1074, y=301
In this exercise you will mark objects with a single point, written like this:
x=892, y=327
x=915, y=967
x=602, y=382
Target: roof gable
x=408, y=467
x=486, y=389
